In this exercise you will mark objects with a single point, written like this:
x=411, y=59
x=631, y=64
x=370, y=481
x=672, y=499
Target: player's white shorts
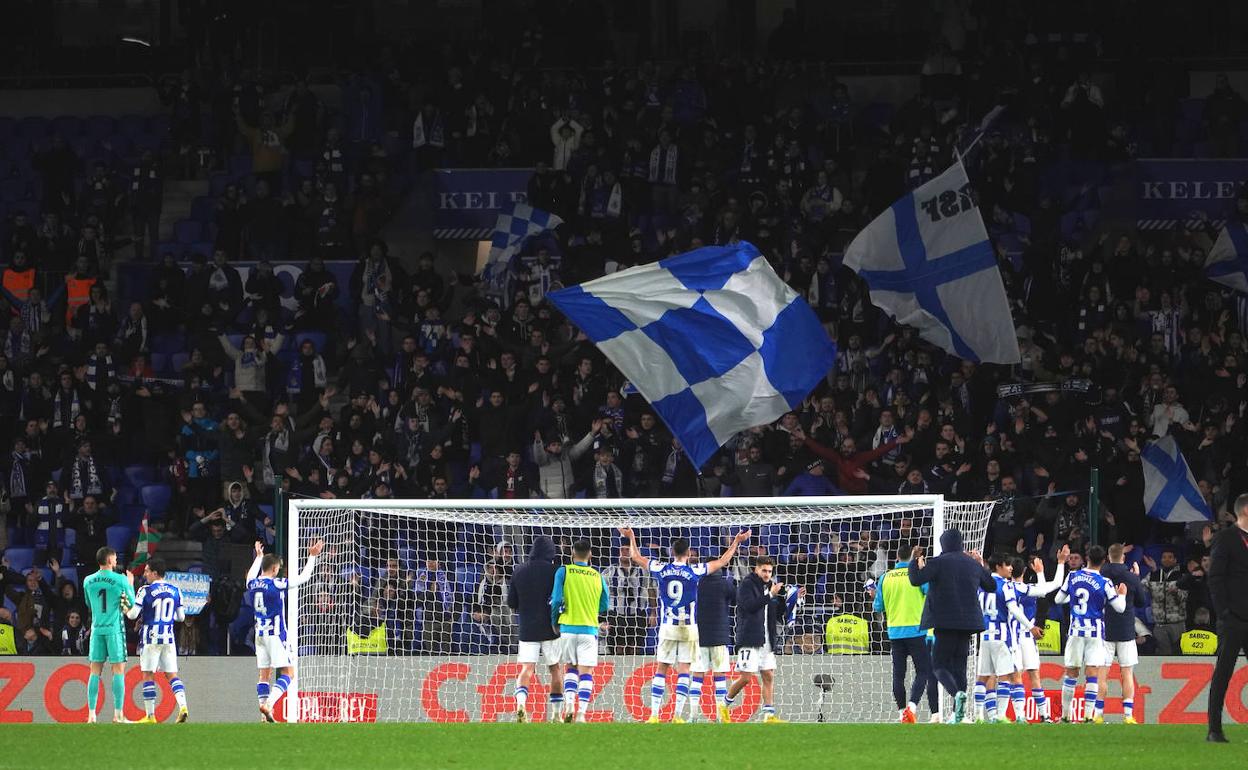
x=272, y=652
x=995, y=658
x=159, y=657
x=751, y=660
x=578, y=649
x=673, y=651
x=1085, y=651
x=1127, y=653
x=1026, y=653
x=546, y=653
x=710, y=659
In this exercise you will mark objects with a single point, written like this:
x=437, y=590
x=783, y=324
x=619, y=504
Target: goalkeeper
x=109, y=595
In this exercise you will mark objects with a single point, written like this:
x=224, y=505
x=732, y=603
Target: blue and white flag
x=1170, y=491
x=1227, y=263
x=713, y=339
x=511, y=231
x=929, y=264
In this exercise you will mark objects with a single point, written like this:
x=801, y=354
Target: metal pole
x=1094, y=504
x=279, y=515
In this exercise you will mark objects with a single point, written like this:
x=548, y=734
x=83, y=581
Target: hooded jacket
x=529, y=592
x=952, y=579
x=715, y=596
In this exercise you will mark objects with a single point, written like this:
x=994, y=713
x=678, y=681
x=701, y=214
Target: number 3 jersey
x=1088, y=594
x=267, y=598
x=678, y=592
x=160, y=606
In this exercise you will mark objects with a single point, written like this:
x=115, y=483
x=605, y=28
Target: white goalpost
x=405, y=617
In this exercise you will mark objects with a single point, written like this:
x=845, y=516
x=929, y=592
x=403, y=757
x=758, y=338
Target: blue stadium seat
x=32, y=128
x=160, y=125
x=99, y=126
x=140, y=476
x=20, y=559
x=67, y=126
x=132, y=125
x=172, y=342
x=202, y=247
x=203, y=209
x=7, y=127
x=156, y=498
x=188, y=231
x=132, y=515
x=318, y=340
x=121, y=145
x=127, y=495
x=240, y=166
x=217, y=184
x=160, y=363
x=118, y=538
x=177, y=361
x=70, y=574
x=13, y=190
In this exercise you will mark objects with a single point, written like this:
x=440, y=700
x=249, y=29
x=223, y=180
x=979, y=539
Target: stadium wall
x=1171, y=690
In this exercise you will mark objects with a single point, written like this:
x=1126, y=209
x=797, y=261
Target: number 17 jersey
x=678, y=591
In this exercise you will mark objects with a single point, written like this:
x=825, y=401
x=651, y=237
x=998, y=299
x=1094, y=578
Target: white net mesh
x=407, y=612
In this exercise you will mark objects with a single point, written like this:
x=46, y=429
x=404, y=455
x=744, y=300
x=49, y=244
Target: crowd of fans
x=427, y=387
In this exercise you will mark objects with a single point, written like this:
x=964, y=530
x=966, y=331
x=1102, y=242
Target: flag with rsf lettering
x=929, y=264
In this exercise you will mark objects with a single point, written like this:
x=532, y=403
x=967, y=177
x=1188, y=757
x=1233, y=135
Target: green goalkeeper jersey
x=104, y=591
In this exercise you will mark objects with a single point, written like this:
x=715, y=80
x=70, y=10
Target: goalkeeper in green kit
x=109, y=595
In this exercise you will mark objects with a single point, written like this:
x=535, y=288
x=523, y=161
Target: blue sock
x=570, y=678
x=179, y=691
x=584, y=692
x=149, y=697
x=981, y=695
x=658, y=689
x=1018, y=694
x=721, y=689
x=279, y=689
x=522, y=696
x=262, y=692
x=93, y=692
x=769, y=710
x=695, y=694
x=1090, y=691
x=1128, y=708
x=1003, y=698
x=682, y=692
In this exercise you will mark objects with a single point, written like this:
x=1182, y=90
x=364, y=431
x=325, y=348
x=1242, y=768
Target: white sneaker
x=580, y=718
x=934, y=719
x=118, y=719
x=91, y=717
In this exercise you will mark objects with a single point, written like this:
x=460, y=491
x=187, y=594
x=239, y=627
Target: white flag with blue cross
x=1170, y=491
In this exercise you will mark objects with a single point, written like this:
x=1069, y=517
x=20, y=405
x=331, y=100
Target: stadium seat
x=240, y=166
x=69, y=574
x=99, y=126
x=188, y=231
x=13, y=190
x=160, y=363
x=170, y=342
x=20, y=559
x=318, y=340
x=67, y=126
x=160, y=125
x=121, y=146
x=217, y=184
x=32, y=128
x=140, y=476
x=156, y=498
x=118, y=538
x=127, y=495
x=203, y=209
x=132, y=125
x=177, y=361
x=132, y=515
x=7, y=127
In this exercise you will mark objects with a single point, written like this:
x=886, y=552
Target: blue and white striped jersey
x=1089, y=592
x=996, y=608
x=267, y=597
x=160, y=606
x=678, y=590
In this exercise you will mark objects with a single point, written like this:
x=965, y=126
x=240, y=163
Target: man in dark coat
x=952, y=609
x=529, y=595
x=1228, y=590
x=1120, y=626
x=760, y=606
x=714, y=603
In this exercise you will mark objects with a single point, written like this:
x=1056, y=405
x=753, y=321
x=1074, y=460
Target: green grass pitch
x=859, y=747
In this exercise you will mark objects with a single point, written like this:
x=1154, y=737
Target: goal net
x=405, y=617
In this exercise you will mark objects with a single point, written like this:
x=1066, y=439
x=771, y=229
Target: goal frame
x=296, y=505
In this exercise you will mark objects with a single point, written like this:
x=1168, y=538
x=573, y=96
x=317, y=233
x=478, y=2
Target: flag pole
x=1094, y=504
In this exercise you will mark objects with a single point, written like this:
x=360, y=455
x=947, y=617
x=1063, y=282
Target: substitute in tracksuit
x=528, y=595
x=1120, y=626
x=760, y=607
x=902, y=605
x=711, y=614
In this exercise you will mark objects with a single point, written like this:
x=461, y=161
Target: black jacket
x=757, y=613
x=1120, y=626
x=1228, y=575
x=529, y=592
x=715, y=594
x=952, y=579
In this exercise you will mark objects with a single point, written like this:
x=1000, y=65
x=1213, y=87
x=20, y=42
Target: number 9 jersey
x=678, y=593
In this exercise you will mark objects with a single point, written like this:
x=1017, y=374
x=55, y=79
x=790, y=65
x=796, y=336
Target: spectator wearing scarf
x=83, y=476
x=608, y=481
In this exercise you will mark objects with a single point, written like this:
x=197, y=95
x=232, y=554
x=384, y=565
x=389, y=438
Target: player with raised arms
x=577, y=601
x=266, y=593
x=109, y=594
x=160, y=605
x=1002, y=614
x=1026, y=653
x=678, y=630
x=1087, y=592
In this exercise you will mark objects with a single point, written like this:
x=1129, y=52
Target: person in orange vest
x=17, y=280
x=78, y=288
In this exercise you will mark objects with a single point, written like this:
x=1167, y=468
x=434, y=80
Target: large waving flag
x=713, y=339
x=511, y=231
x=930, y=265
x=1170, y=491
x=1227, y=263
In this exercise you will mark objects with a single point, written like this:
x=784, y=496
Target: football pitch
x=221, y=746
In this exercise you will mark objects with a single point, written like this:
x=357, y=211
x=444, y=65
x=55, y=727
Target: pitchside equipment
x=407, y=611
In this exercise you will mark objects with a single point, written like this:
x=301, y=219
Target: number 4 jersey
x=267, y=598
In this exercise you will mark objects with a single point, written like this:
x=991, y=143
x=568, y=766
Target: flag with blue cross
x=1227, y=263
x=930, y=265
x=1170, y=491
x=511, y=231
